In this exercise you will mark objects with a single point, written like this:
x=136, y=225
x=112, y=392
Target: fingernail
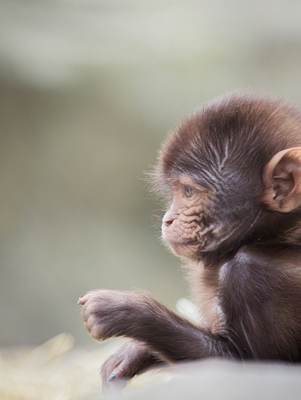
x=112, y=377
x=80, y=301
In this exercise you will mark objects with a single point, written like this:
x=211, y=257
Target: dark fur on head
x=225, y=146
x=233, y=129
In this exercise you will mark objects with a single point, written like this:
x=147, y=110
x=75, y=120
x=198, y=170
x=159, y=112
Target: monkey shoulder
x=252, y=271
x=263, y=260
x=258, y=275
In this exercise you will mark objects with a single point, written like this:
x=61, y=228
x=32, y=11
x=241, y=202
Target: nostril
x=168, y=219
x=167, y=222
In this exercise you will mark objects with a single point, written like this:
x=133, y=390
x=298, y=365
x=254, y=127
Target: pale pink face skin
x=193, y=225
x=183, y=227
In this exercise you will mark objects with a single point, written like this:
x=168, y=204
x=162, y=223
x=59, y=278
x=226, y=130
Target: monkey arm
x=109, y=313
x=259, y=298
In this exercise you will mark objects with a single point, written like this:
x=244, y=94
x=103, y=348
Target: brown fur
x=243, y=254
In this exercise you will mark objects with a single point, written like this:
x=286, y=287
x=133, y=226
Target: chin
x=183, y=250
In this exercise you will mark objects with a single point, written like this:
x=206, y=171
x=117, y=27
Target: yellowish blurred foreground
x=50, y=371
x=57, y=370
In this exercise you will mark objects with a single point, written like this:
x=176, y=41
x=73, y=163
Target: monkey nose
x=168, y=219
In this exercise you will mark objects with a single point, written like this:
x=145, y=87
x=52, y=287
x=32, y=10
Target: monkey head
x=227, y=170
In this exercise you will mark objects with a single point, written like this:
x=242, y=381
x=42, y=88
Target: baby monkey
x=231, y=176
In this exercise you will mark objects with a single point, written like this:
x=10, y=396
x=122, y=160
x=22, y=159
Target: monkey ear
x=282, y=181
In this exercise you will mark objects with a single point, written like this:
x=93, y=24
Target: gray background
x=88, y=90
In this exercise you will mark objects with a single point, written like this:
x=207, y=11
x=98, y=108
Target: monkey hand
x=133, y=358
x=111, y=313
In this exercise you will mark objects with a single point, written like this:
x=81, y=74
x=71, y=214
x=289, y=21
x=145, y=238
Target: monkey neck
x=291, y=236
x=213, y=259
x=278, y=229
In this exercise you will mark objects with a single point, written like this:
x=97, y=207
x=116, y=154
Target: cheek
x=187, y=233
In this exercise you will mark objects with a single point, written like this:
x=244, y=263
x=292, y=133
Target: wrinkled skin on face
x=183, y=225
x=192, y=225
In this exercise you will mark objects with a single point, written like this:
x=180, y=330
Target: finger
x=83, y=300
x=115, y=382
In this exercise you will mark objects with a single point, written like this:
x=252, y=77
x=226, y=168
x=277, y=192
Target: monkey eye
x=189, y=191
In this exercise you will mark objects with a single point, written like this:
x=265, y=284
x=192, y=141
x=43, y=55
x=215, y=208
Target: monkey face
x=197, y=221
x=227, y=167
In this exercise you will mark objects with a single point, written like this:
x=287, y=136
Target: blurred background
x=88, y=91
